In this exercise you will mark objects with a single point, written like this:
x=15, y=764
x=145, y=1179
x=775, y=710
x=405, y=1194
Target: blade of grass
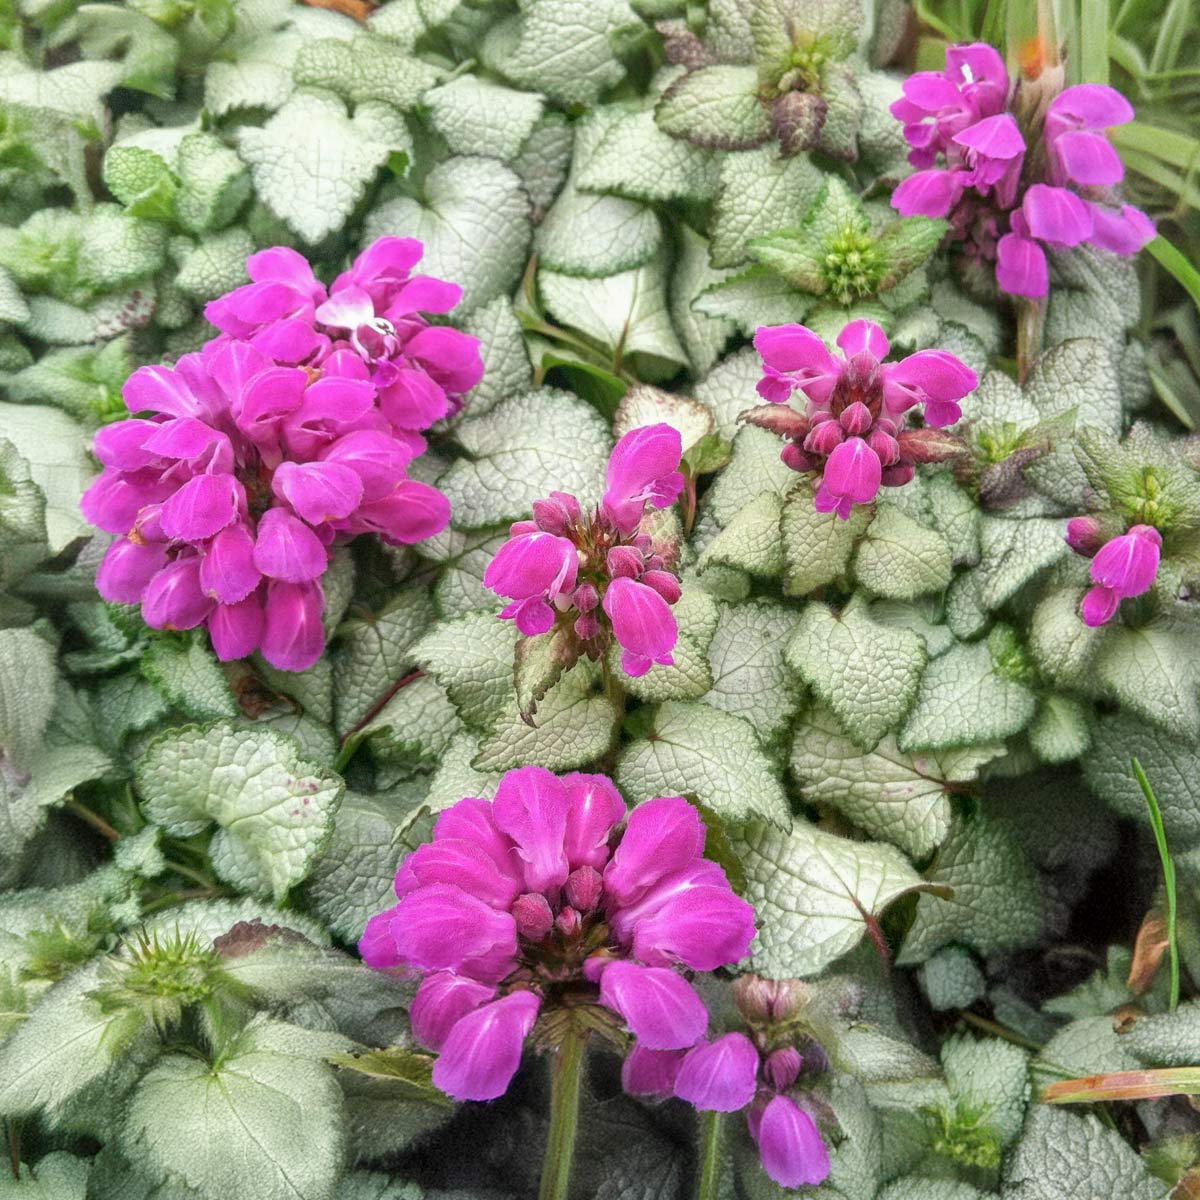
x=1093, y=41
x=1172, y=29
x=1168, y=865
x=1177, y=264
x=1125, y=1085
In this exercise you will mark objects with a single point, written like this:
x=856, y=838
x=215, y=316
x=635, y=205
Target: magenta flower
x=960, y=117
x=852, y=428
x=757, y=1074
x=285, y=436
x=599, y=573
x=543, y=898
x=1122, y=567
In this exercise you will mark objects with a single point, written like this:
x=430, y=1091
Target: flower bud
x=885, y=446
x=583, y=888
x=855, y=418
x=1084, y=535
x=623, y=562
x=664, y=583
x=568, y=922
x=585, y=597
x=551, y=517
x=795, y=458
x=587, y=626
x=533, y=916
x=824, y=438
x=783, y=1067
x=762, y=1000
x=898, y=475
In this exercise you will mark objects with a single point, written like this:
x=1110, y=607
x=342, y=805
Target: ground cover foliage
x=912, y=755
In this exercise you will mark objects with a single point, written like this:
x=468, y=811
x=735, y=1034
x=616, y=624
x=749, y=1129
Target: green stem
x=710, y=1156
x=1031, y=320
x=564, y=1115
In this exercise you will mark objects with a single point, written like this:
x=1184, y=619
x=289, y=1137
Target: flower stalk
x=710, y=1156
x=566, y=1080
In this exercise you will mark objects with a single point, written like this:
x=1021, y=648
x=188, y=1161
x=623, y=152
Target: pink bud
x=583, y=888
x=856, y=418
x=623, y=562
x=885, y=446
x=795, y=458
x=568, y=922
x=824, y=438
x=664, y=583
x=553, y=516
x=1084, y=535
x=782, y=1067
x=587, y=626
x=897, y=475
x=585, y=597
x=533, y=916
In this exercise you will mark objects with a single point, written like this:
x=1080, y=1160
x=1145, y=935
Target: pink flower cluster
x=961, y=116
x=551, y=896
x=289, y=433
x=758, y=1073
x=600, y=573
x=852, y=428
x=1122, y=567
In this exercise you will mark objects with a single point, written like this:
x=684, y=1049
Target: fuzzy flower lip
x=287, y=435
x=597, y=574
x=852, y=428
x=959, y=118
x=1121, y=567
x=545, y=894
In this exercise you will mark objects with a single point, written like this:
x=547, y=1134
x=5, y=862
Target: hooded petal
x=642, y=622
x=790, y=1146
x=1089, y=106
x=719, y=1076
x=173, y=598
x=853, y=471
x=1088, y=158
x=377, y=946
x=286, y=549
x=409, y=398
x=531, y=807
x=441, y=1001
x=1123, y=231
x=702, y=927
x=660, y=1008
x=643, y=467
x=1056, y=215
x=121, y=444
x=450, y=357
x=1021, y=266
x=293, y=637
x=650, y=1072
x=410, y=513
x=661, y=836
x=594, y=809
x=862, y=336
x=439, y=927
x=202, y=507
x=1128, y=564
x=127, y=568
x=378, y=459
x=798, y=354
x=931, y=193
x=482, y=1051
x=465, y=864
x=227, y=570
x=318, y=491
x=533, y=564
x=236, y=630
x=473, y=820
